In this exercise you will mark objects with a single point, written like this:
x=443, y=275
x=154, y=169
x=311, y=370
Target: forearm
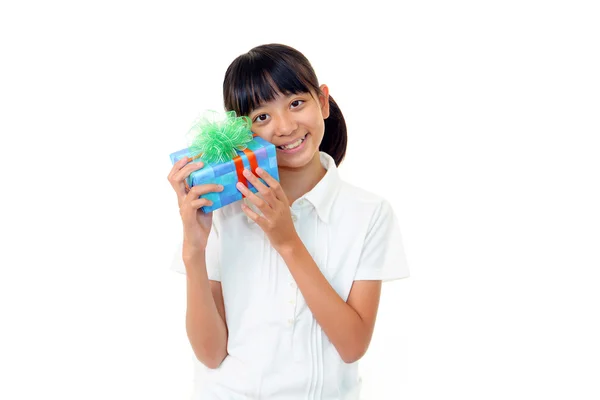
x=206, y=329
x=340, y=322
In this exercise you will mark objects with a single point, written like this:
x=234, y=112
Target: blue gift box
x=259, y=153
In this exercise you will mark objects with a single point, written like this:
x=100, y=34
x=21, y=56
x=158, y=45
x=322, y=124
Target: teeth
x=293, y=145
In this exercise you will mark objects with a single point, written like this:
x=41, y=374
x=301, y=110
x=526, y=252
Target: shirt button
x=301, y=202
x=290, y=321
x=291, y=302
x=293, y=284
x=294, y=218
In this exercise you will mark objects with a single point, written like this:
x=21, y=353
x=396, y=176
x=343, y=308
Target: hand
x=196, y=224
x=276, y=220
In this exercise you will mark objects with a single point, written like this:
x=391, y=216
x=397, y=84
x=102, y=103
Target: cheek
x=314, y=124
x=318, y=129
x=263, y=134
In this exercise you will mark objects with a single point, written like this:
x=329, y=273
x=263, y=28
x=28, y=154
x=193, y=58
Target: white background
x=478, y=120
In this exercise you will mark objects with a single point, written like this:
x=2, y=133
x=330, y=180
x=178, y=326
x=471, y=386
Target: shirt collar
x=322, y=196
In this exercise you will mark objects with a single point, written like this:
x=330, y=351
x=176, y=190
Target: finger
x=261, y=204
x=179, y=173
x=253, y=179
x=253, y=216
x=177, y=166
x=190, y=207
x=273, y=183
x=171, y=177
x=199, y=190
x=202, y=202
x=263, y=189
x=186, y=170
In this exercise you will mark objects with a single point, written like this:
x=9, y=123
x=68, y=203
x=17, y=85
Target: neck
x=296, y=182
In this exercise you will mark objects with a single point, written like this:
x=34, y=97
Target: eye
x=296, y=103
x=260, y=117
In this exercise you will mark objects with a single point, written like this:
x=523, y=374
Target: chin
x=297, y=162
x=299, y=159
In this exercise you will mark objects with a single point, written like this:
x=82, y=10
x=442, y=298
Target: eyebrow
x=252, y=114
x=287, y=96
x=257, y=109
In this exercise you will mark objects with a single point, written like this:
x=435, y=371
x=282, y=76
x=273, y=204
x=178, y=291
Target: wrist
x=290, y=247
x=192, y=253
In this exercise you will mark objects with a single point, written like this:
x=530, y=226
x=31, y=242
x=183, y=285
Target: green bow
x=217, y=137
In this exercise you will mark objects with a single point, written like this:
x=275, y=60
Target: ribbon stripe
x=239, y=164
x=239, y=168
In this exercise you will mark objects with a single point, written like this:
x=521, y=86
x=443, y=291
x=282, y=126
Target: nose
x=286, y=125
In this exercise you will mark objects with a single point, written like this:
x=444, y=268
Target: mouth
x=293, y=146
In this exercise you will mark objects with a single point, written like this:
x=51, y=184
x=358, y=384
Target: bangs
x=256, y=78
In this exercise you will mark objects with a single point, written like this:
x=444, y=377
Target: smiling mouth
x=293, y=145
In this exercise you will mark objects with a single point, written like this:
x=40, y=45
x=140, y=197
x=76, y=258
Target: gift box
x=257, y=153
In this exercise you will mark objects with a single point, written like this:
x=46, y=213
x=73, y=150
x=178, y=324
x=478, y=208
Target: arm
x=205, y=315
x=348, y=325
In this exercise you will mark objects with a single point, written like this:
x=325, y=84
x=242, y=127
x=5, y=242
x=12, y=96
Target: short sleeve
x=213, y=267
x=383, y=257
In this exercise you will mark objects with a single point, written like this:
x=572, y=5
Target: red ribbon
x=239, y=168
x=239, y=165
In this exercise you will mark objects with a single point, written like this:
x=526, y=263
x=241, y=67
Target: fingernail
x=259, y=170
x=246, y=172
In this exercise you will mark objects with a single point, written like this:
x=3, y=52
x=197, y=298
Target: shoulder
x=356, y=212
x=362, y=201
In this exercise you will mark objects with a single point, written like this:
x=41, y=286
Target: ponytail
x=335, y=138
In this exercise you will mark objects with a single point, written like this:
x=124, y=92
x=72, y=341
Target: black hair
x=260, y=74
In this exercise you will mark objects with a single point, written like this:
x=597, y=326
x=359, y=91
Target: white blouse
x=276, y=349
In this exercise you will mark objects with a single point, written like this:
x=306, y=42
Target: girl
x=283, y=287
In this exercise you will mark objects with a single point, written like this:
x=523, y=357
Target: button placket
x=291, y=303
x=291, y=318
x=296, y=211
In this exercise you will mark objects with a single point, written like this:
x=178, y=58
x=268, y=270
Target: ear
x=324, y=101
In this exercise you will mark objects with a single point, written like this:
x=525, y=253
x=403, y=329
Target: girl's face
x=294, y=124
